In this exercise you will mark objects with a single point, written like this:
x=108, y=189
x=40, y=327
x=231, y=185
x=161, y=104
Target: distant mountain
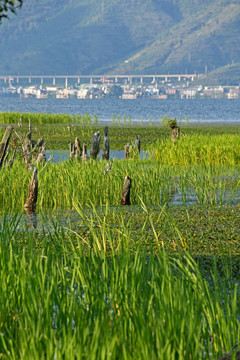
x=121, y=36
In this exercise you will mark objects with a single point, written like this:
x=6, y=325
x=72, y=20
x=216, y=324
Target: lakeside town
x=155, y=90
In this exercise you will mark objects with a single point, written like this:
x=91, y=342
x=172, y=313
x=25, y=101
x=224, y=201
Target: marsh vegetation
x=158, y=279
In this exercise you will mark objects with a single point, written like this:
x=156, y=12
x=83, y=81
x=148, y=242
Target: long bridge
x=102, y=78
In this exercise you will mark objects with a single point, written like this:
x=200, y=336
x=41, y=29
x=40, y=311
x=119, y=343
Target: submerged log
x=4, y=144
x=95, y=145
x=106, y=146
x=125, y=200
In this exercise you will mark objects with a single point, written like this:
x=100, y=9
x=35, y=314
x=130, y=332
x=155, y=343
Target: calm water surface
x=195, y=110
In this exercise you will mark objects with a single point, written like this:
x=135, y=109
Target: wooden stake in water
x=95, y=145
x=78, y=148
x=84, y=156
x=31, y=203
x=125, y=200
x=105, y=152
x=138, y=143
x=4, y=144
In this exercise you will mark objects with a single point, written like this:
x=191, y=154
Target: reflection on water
x=54, y=220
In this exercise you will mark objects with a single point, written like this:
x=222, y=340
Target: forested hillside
x=104, y=36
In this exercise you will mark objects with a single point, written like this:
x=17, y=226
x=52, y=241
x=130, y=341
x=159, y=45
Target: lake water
x=203, y=111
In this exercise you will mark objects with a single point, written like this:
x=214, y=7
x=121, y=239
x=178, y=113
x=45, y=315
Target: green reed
x=198, y=149
x=38, y=118
x=63, y=184
x=94, y=293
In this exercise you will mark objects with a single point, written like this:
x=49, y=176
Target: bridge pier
x=41, y=80
x=54, y=81
x=78, y=80
x=166, y=78
x=116, y=79
x=130, y=79
x=29, y=80
x=91, y=80
x=141, y=80
x=66, y=83
x=179, y=78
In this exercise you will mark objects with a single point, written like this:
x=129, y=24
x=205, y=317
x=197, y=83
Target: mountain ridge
x=92, y=37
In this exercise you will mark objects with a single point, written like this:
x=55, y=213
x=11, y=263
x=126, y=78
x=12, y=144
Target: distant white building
x=82, y=93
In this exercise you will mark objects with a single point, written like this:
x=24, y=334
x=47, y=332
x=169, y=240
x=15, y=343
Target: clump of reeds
x=91, y=294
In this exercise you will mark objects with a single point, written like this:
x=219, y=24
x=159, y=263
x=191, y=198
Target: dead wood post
x=6, y=156
x=72, y=151
x=175, y=133
x=31, y=203
x=41, y=155
x=138, y=143
x=78, y=151
x=125, y=200
x=126, y=151
x=95, y=145
x=175, y=130
x=105, y=152
x=84, y=156
x=11, y=161
x=4, y=144
x=27, y=143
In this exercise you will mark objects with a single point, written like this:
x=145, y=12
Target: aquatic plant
x=96, y=293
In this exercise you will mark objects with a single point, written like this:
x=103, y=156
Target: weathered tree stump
x=72, y=150
x=175, y=133
x=138, y=143
x=78, y=148
x=11, y=161
x=84, y=156
x=31, y=203
x=125, y=199
x=106, y=146
x=126, y=151
x=6, y=156
x=41, y=155
x=27, y=143
x=4, y=144
x=109, y=166
x=95, y=145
